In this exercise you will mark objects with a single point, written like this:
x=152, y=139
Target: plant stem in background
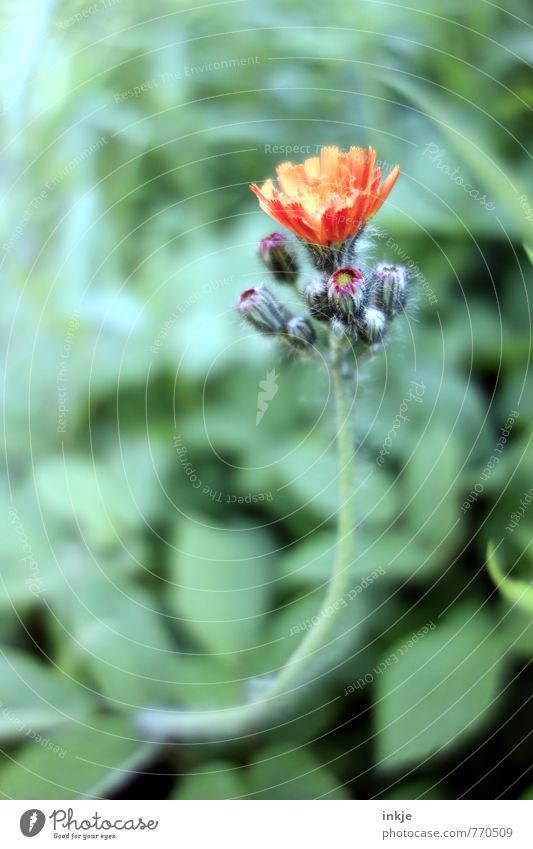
x=317, y=637
x=282, y=690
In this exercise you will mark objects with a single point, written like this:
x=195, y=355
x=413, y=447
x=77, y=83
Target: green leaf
x=281, y=773
x=473, y=146
x=413, y=790
x=118, y=637
x=221, y=586
x=516, y=628
x=87, y=762
x=103, y=499
x=73, y=491
x=28, y=571
x=213, y=780
x=515, y=590
x=205, y=681
x=431, y=480
x=35, y=697
x=438, y=689
x=285, y=629
x=310, y=561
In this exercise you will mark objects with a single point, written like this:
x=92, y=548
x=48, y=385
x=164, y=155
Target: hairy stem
x=189, y=725
x=318, y=636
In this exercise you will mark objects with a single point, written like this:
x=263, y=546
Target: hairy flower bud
x=316, y=295
x=300, y=332
x=346, y=293
x=391, y=288
x=372, y=326
x=262, y=310
x=276, y=254
x=339, y=329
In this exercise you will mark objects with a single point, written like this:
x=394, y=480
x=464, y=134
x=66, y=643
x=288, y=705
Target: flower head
x=327, y=198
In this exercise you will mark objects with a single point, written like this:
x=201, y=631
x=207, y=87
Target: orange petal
x=329, y=158
x=312, y=167
x=389, y=182
x=290, y=177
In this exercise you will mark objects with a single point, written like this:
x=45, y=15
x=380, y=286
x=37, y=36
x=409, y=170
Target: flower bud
x=391, y=288
x=316, y=295
x=262, y=310
x=372, y=327
x=300, y=332
x=277, y=255
x=339, y=329
x=345, y=293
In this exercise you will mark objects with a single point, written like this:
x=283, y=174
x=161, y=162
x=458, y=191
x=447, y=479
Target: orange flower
x=327, y=198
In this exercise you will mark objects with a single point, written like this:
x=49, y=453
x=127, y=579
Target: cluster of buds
x=356, y=305
x=361, y=305
x=260, y=307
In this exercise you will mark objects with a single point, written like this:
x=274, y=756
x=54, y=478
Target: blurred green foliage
x=157, y=546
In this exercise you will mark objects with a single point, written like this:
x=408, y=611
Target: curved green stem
x=317, y=637
x=242, y=719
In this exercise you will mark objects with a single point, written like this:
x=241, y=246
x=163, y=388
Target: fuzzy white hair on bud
x=300, y=332
x=372, y=327
x=263, y=311
x=390, y=288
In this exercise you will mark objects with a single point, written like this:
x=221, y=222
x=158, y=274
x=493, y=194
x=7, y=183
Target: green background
x=157, y=546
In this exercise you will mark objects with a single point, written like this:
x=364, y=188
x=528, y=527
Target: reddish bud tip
x=262, y=310
x=248, y=298
x=276, y=253
x=345, y=291
x=275, y=240
x=391, y=288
